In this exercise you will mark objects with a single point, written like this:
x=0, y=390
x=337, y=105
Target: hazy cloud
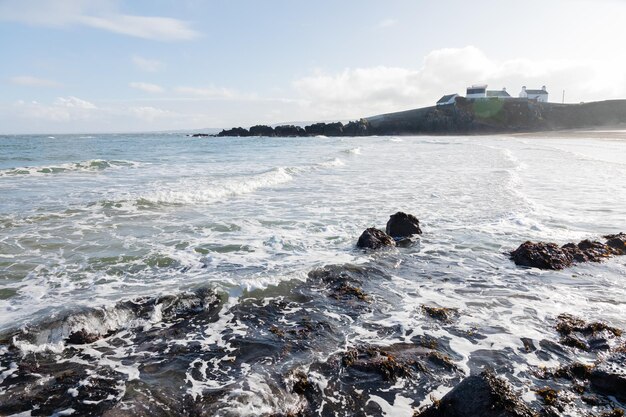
x=100, y=14
x=63, y=109
x=210, y=92
x=387, y=23
x=147, y=87
x=30, y=81
x=145, y=64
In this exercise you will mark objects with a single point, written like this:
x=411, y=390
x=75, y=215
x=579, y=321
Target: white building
x=499, y=94
x=447, y=99
x=539, y=95
x=476, y=91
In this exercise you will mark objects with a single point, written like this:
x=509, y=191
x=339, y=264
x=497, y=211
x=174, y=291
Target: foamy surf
x=92, y=165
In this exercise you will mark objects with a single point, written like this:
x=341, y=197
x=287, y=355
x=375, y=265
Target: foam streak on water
x=190, y=260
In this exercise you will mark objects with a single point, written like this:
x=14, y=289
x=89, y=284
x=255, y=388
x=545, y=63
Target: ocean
x=219, y=276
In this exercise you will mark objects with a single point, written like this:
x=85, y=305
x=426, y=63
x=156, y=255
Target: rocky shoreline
x=85, y=363
x=464, y=117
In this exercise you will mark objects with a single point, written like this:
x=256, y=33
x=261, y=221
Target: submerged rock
x=373, y=238
x=541, y=255
x=617, y=242
x=83, y=337
x=609, y=377
x=482, y=395
x=403, y=225
x=444, y=314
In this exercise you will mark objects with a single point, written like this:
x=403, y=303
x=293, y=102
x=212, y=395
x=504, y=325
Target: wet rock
x=550, y=256
x=200, y=135
x=589, y=251
x=541, y=255
x=548, y=395
x=348, y=291
x=440, y=313
x=403, y=225
x=617, y=242
x=83, y=337
x=618, y=412
x=482, y=395
x=588, y=336
x=373, y=238
x=301, y=383
x=609, y=377
x=529, y=345
x=396, y=361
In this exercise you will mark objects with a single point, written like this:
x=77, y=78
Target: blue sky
x=107, y=65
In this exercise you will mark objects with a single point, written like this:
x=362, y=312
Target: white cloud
x=387, y=23
x=29, y=81
x=63, y=109
x=145, y=64
x=156, y=28
x=75, y=103
x=147, y=87
x=100, y=14
x=360, y=92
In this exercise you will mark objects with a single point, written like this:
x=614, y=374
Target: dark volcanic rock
x=289, y=131
x=482, y=395
x=325, y=129
x=373, y=238
x=541, y=255
x=358, y=128
x=609, y=377
x=403, y=225
x=236, y=131
x=261, y=130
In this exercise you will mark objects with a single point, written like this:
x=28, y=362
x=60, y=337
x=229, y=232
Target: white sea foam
x=92, y=165
x=196, y=191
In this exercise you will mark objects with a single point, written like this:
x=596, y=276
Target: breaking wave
x=92, y=165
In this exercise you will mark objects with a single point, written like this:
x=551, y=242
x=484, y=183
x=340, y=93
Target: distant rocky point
x=462, y=117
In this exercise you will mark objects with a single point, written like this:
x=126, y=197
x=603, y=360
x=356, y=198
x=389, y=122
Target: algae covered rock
x=373, y=238
x=541, y=255
x=483, y=395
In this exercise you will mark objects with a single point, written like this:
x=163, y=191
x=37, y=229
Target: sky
x=91, y=66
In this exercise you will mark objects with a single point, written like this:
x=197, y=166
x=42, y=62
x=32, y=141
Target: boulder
x=261, y=130
x=482, y=395
x=289, y=131
x=373, y=238
x=542, y=255
x=550, y=256
x=403, y=225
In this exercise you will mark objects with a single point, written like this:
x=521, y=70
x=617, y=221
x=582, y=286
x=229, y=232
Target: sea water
x=89, y=225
